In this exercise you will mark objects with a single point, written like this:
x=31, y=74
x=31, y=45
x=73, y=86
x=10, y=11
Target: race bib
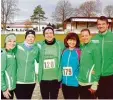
x=49, y=63
x=67, y=71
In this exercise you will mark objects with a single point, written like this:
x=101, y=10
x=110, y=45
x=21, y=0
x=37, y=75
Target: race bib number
x=67, y=71
x=49, y=64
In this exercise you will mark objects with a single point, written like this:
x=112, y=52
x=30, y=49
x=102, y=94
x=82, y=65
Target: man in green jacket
x=49, y=75
x=104, y=41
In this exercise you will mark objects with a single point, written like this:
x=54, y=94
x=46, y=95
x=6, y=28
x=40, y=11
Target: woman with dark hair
x=70, y=66
x=8, y=67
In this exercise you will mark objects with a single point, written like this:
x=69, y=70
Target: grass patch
x=39, y=37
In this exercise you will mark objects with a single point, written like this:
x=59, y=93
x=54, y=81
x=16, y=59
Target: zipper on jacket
x=102, y=54
x=26, y=67
x=68, y=64
x=76, y=77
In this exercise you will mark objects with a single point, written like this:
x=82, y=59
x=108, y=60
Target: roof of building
x=22, y=24
x=85, y=19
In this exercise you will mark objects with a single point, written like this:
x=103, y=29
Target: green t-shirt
x=50, y=66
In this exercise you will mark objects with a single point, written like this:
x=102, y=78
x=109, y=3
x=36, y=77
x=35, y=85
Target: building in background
x=20, y=27
x=76, y=24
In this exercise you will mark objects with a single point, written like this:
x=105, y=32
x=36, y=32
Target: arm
x=60, y=68
x=4, y=87
x=97, y=68
x=3, y=68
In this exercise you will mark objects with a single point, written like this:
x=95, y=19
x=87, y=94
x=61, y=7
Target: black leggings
x=70, y=92
x=49, y=89
x=24, y=91
x=11, y=92
x=105, y=88
x=85, y=93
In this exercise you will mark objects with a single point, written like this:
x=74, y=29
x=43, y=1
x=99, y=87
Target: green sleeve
x=97, y=68
x=3, y=68
x=94, y=86
x=60, y=68
x=37, y=55
x=97, y=61
x=60, y=72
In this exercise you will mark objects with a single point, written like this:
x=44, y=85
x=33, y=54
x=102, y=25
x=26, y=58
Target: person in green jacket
x=89, y=67
x=50, y=74
x=26, y=55
x=8, y=67
x=104, y=41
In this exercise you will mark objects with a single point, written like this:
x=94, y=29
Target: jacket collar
x=50, y=43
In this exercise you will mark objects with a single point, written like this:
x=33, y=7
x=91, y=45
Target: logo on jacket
x=95, y=41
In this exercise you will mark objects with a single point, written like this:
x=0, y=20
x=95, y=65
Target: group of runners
x=82, y=69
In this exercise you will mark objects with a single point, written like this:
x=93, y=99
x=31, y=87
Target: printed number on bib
x=49, y=63
x=67, y=71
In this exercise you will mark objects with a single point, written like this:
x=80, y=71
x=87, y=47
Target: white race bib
x=67, y=71
x=49, y=63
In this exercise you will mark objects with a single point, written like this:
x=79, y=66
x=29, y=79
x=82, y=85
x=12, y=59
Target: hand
x=7, y=94
x=92, y=91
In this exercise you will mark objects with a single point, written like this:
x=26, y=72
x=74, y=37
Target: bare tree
x=98, y=6
x=77, y=12
x=62, y=11
x=108, y=10
x=8, y=10
x=87, y=9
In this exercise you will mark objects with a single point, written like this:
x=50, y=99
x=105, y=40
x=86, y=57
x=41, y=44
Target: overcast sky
x=27, y=6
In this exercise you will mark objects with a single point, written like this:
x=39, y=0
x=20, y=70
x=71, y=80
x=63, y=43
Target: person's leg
x=2, y=96
x=70, y=92
x=29, y=90
x=20, y=91
x=107, y=91
x=65, y=91
x=73, y=92
x=24, y=91
x=110, y=94
x=54, y=89
x=100, y=90
x=44, y=89
x=85, y=93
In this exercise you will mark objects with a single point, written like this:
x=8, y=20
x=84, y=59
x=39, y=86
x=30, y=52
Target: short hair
x=103, y=18
x=73, y=36
x=48, y=27
x=86, y=29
